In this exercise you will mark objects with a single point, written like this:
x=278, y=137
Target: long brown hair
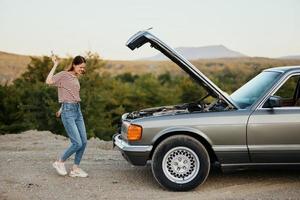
x=76, y=61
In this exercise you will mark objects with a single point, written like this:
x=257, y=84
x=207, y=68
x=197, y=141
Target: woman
x=68, y=95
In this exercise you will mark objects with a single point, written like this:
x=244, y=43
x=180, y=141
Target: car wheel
x=180, y=163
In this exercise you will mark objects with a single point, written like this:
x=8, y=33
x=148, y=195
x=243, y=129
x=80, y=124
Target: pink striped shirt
x=68, y=87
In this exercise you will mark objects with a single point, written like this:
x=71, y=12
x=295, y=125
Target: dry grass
x=13, y=65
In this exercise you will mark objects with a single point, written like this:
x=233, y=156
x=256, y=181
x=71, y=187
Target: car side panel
x=274, y=135
x=225, y=131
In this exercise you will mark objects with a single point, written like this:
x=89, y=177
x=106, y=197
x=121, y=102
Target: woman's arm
x=49, y=80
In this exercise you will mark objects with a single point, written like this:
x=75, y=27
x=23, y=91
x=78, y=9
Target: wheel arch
x=205, y=141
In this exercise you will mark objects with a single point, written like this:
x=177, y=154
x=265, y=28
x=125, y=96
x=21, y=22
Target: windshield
x=246, y=95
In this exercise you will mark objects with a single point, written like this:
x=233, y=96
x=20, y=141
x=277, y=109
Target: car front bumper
x=135, y=154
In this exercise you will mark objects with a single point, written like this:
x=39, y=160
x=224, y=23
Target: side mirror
x=273, y=101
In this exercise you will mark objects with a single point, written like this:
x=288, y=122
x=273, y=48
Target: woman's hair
x=76, y=61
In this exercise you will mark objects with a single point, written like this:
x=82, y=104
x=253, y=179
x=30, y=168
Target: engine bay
x=217, y=105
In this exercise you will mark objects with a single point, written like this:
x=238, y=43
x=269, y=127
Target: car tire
x=180, y=163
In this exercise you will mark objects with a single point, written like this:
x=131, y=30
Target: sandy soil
x=26, y=173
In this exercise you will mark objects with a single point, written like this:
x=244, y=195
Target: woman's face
x=79, y=69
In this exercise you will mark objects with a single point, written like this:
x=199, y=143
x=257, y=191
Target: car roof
x=285, y=69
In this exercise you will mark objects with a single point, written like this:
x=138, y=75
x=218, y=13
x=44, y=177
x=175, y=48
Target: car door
x=273, y=134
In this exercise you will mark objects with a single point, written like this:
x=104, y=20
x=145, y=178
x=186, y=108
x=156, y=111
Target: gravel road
x=26, y=173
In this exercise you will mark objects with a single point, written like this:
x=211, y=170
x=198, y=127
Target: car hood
x=143, y=37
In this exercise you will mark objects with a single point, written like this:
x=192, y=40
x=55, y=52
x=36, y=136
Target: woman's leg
x=82, y=132
x=73, y=133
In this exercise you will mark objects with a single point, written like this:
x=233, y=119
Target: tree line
x=29, y=103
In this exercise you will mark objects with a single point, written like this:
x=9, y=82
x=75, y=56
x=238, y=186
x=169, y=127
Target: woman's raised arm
x=49, y=80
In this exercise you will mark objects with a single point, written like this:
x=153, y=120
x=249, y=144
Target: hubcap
x=181, y=165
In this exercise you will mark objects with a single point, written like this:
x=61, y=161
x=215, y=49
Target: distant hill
x=293, y=57
x=13, y=65
x=206, y=52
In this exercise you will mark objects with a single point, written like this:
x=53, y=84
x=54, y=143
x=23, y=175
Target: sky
x=265, y=28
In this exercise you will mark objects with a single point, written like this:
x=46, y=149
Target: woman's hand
x=54, y=59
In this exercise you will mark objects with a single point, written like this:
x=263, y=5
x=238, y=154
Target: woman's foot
x=60, y=168
x=78, y=172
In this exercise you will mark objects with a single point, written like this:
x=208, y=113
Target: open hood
x=143, y=37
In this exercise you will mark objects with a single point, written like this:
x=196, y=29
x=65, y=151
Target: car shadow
x=219, y=179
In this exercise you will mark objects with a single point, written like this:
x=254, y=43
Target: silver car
x=259, y=124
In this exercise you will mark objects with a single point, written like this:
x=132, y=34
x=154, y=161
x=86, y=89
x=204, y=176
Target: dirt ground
x=26, y=172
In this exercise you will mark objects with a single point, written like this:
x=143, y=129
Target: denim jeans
x=72, y=119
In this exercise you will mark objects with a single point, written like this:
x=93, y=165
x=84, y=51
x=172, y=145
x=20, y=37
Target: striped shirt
x=68, y=87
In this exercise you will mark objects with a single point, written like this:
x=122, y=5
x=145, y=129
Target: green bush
x=30, y=104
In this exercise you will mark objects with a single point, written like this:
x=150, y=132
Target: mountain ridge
x=203, y=52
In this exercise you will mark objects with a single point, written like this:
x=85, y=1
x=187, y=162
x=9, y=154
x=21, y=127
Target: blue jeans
x=72, y=119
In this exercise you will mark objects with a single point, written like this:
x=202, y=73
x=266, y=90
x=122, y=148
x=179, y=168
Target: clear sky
x=269, y=28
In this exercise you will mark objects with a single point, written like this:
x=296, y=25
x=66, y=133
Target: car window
x=249, y=93
x=289, y=92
